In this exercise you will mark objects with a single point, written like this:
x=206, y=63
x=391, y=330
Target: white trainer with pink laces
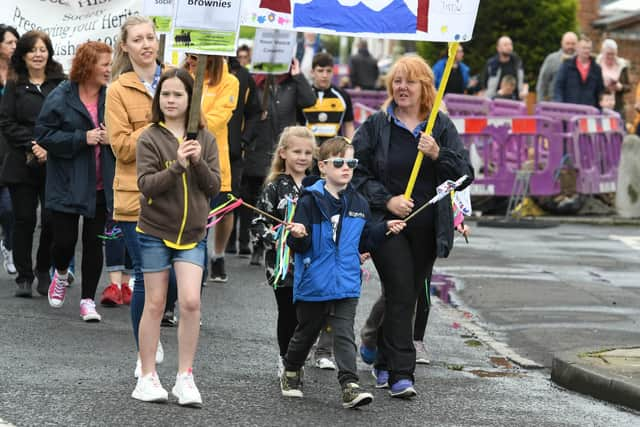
x=186, y=391
x=57, y=291
x=88, y=310
x=149, y=389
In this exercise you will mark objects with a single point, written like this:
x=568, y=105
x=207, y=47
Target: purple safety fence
x=508, y=107
x=371, y=98
x=467, y=105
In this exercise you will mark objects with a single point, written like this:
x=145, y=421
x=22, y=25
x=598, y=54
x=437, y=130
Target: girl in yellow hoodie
x=219, y=99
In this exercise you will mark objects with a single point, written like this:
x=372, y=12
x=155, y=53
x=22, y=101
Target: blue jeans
x=6, y=217
x=130, y=236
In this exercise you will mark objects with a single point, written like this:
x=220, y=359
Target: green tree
x=535, y=27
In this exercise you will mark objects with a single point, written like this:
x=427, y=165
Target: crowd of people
x=108, y=146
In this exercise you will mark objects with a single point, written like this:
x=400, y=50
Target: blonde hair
x=121, y=61
x=278, y=164
x=415, y=68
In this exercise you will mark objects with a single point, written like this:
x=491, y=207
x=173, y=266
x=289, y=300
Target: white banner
x=434, y=20
x=71, y=23
x=160, y=12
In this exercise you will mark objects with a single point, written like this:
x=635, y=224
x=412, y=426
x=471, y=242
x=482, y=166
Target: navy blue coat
x=327, y=269
x=61, y=129
x=570, y=88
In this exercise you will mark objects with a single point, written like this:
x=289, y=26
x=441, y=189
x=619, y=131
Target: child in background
x=507, y=88
x=331, y=218
x=292, y=158
x=177, y=177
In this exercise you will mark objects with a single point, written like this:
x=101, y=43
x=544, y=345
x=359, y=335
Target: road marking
x=632, y=241
x=484, y=335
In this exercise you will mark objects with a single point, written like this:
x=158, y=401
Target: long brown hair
x=157, y=115
x=415, y=68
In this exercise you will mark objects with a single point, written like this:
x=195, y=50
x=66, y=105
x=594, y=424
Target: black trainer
x=244, y=249
x=169, y=319
x=291, y=383
x=23, y=289
x=44, y=280
x=218, y=273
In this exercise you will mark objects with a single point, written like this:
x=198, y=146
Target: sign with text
x=272, y=51
x=70, y=23
x=206, y=26
x=161, y=12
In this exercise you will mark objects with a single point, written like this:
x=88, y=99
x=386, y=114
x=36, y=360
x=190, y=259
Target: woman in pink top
x=80, y=161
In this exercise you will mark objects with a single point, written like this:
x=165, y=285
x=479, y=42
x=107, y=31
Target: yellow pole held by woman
x=453, y=48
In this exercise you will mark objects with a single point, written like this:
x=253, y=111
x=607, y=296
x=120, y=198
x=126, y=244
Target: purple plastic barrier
x=371, y=98
x=564, y=111
x=501, y=146
x=596, y=146
x=508, y=107
x=467, y=105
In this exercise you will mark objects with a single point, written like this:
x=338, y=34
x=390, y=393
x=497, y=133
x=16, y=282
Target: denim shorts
x=156, y=256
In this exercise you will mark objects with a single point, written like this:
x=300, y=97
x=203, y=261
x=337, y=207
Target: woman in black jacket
x=34, y=75
x=8, y=39
x=386, y=146
x=80, y=168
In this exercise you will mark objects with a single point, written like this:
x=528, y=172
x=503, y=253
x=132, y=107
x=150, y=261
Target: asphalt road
x=57, y=370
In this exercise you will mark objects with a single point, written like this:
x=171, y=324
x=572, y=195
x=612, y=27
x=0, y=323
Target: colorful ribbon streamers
x=283, y=253
x=220, y=211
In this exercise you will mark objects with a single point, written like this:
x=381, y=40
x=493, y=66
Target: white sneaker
x=7, y=259
x=159, y=353
x=186, y=391
x=149, y=389
x=421, y=353
x=325, y=363
x=88, y=311
x=280, y=366
x=138, y=371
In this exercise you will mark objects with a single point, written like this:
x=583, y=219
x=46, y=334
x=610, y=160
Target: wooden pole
x=453, y=48
x=162, y=47
x=196, y=98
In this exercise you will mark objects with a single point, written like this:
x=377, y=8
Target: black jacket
x=246, y=113
x=19, y=110
x=281, y=104
x=62, y=129
x=371, y=144
x=363, y=70
x=570, y=88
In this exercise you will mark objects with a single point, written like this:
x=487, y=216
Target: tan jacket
x=127, y=113
x=175, y=201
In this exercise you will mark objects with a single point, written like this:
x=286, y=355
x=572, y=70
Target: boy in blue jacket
x=329, y=231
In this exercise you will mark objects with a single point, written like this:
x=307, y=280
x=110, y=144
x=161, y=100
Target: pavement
x=609, y=374
x=57, y=370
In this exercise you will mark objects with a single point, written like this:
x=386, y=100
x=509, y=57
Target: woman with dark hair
x=71, y=128
x=34, y=75
x=386, y=146
x=8, y=39
x=177, y=177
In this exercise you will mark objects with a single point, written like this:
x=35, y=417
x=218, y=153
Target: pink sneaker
x=57, y=291
x=88, y=310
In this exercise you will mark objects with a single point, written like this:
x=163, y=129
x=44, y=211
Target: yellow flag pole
x=453, y=48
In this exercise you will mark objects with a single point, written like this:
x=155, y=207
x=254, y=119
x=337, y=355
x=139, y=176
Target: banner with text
x=70, y=24
x=272, y=51
x=433, y=20
x=206, y=26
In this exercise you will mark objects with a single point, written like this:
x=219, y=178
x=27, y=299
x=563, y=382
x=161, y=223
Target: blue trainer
x=382, y=378
x=367, y=354
x=403, y=389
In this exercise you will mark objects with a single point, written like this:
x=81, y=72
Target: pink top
x=93, y=112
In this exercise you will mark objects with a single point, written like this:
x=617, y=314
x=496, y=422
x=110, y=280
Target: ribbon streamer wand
x=447, y=186
x=260, y=211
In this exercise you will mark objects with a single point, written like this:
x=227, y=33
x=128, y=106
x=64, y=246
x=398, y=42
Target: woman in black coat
x=34, y=75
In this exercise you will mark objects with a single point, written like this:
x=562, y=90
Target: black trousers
x=312, y=317
x=65, y=237
x=251, y=187
x=287, y=320
x=404, y=262
x=25, y=199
